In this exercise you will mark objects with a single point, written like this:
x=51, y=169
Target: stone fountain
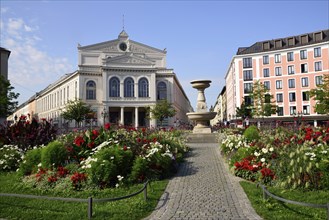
x=202, y=117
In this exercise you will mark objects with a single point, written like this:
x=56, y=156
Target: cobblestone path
x=204, y=189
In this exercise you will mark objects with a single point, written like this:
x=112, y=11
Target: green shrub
x=139, y=170
x=30, y=162
x=53, y=155
x=241, y=153
x=251, y=133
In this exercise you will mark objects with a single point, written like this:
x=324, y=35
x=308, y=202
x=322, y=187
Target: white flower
x=256, y=154
x=120, y=177
x=264, y=150
x=271, y=149
x=117, y=185
x=39, y=165
x=262, y=160
x=112, y=158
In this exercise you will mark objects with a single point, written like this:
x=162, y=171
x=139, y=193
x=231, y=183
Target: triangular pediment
x=108, y=46
x=128, y=59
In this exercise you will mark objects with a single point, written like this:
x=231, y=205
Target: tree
x=162, y=110
x=244, y=111
x=76, y=110
x=321, y=95
x=262, y=101
x=7, y=103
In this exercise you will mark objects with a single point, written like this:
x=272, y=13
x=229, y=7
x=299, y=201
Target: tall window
x=129, y=87
x=306, y=96
x=267, y=85
x=292, y=110
x=266, y=72
x=162, y=90
x=318, y=80
x=265, y=59
x=303, y=68
x=291, y=83
x=291, y=70
x=90, y=90
x=248, y=101
x=280, y=111
x=317, y=52
x=247, y=62
x=277, y=58
x=279, y=97
x=290, y=56
x=305, y=82
x=247, y=88
x=278, y=71
x=143, y=87
x=278, y=84
x=247, y=75
x=306, y=109
x=292, y=97
x=303, y=54
x=114, y=87
x=318, y=66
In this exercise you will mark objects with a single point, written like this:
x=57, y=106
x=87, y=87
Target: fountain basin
x=200, y=84
x=202, y=119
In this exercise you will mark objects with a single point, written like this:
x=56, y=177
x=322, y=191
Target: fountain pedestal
x=202, y=117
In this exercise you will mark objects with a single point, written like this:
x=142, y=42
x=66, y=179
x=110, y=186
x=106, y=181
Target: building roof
x=5, y=50
x=285, y=43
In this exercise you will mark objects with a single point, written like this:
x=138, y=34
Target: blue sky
x=201, y=37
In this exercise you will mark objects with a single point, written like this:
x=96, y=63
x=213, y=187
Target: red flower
x=79, y=141
x=52, y=179
x=62, y=172
x=138, y=140
x=107, y=126
x=95, y=134
x=91, y=144
x=266, y=172
x=125, y=148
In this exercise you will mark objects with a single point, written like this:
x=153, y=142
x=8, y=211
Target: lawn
x=23, y=208
x=273, y=209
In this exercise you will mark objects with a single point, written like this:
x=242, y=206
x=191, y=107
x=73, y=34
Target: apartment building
x=288, y=67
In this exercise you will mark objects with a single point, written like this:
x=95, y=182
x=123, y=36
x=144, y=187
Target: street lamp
x=104, y=114
x=297, y=118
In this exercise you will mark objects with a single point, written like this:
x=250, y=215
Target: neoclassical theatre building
x=119, y=79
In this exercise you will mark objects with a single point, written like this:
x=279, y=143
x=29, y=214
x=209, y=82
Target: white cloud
x=4, y=10
x=29, y=65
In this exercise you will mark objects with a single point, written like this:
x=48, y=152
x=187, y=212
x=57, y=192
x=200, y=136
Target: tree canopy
x=76, y=110
x=163, y=109
x=321, y=95
x=262, y=101
x=7, y=98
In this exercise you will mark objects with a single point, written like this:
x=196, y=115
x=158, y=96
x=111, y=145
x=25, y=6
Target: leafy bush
x=140, y=170
x=10, y=156
x=251, y=133
x=31, y=161
x=53, y=155
x=27, y=134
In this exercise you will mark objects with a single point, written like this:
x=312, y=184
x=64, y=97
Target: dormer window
x=266, y=45
x=304, y=39
x=278, y=43
x=291, y=41
x=318, y=36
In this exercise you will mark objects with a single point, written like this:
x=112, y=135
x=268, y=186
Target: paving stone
x=204, y=189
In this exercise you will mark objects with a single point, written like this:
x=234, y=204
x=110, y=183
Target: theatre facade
x=119, y=79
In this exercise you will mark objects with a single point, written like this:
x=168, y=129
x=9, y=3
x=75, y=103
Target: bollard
x=264, y=193
x=145, y=192
x=90, y=207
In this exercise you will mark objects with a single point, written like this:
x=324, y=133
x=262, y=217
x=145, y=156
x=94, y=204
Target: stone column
x=136, y=117
x=122, y=116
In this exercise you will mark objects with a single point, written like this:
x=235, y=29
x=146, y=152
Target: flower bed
x=281, y=157
x=98, y=158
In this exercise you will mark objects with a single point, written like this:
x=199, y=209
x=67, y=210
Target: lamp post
x=104, y=114
x=297, y=118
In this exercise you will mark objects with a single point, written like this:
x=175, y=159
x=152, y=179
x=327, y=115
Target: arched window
x=114, y=87
x=129, y=87
x=162, y=90
x=90, y=90
x=143, y=88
